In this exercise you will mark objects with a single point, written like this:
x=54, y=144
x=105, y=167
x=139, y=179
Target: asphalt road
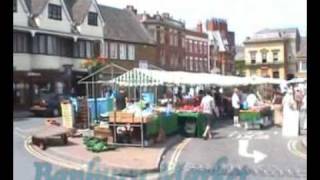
x=273, y=158
x=23, y=162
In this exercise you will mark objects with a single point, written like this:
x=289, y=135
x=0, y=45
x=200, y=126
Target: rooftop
x=123, y=25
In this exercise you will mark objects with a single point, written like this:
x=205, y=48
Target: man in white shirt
x=236, y=107
x=207, y=105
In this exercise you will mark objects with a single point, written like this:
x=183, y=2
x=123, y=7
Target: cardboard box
x=121, y=117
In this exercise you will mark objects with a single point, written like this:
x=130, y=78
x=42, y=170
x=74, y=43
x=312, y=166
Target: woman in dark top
x=121, y=100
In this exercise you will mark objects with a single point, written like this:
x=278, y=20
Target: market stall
x=256, y=117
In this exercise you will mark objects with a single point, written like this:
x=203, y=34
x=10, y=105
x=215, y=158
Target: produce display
x=96, y=145
x=189, y=108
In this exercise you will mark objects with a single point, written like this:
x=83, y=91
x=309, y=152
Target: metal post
x=95, y=99
x=87, y=96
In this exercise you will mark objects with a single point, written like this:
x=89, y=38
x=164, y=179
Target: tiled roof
x=123, y=25
x=286, y=30
x=78, y=9
x=274, y=34
x=36, y=6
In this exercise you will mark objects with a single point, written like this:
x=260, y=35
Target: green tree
x=240, y=67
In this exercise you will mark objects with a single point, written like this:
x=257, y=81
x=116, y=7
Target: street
x=263, y=154
x=23, y=161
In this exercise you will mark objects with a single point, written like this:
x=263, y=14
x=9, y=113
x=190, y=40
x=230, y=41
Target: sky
x=244, y=17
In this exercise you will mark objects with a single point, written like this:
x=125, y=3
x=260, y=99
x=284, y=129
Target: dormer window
x=14, y=5
x=93, y=19
x=54, y=12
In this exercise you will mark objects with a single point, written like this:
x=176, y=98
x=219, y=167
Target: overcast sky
x=244, y=17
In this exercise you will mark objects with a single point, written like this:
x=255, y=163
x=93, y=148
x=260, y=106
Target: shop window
x=275, y=74
x=54, y=12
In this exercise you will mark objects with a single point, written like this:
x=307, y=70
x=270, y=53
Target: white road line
x=233, y=133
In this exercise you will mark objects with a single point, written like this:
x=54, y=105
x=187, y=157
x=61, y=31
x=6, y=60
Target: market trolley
x=256, y=118
x=42, y=136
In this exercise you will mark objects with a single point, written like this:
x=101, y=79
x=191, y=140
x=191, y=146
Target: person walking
x=236, y=107
x=207, y=105
x=290, y=126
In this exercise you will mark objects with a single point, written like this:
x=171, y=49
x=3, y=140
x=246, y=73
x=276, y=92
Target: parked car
x=48, y=104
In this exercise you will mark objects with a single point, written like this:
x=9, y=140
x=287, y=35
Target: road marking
x=275, y=132
x=176, y=154
x=233, y=133
x=292, y=148
x=53, y=160
x=243, y=151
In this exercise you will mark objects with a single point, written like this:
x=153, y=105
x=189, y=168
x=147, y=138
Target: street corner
x=77, y=157
x=298, y=148
x=50, y=157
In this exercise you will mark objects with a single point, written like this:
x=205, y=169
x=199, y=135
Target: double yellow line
x=292, y=148
x=174, y=158
x=54, y=160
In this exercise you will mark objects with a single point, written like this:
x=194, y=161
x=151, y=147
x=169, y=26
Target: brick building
x=222, y=46
x=169, y=36
x=196, y=50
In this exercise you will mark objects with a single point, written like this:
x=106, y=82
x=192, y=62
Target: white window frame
x=123, y=51
x=88, y=49
x=191, y=63
x=131, y=52
x=106, y=49
x=114, y=50
x=300, y=66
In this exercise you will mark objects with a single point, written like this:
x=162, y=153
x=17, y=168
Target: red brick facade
x=196, y=50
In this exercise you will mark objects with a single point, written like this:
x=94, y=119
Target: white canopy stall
x=146, y=77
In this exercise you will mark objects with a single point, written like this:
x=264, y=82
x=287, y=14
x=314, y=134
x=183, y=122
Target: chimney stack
x=166, y=15
x=132, y=9
x=199, y=27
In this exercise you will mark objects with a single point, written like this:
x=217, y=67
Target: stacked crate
x=82, y=120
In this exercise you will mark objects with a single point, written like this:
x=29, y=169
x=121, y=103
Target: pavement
x=124, y=159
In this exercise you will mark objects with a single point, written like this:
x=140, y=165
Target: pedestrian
x=121, y=100
x=290, y=115
x=207, y=106
x=218, y=101
x=236, y=107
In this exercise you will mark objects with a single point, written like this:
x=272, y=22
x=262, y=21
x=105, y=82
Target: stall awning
x=147, y=77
